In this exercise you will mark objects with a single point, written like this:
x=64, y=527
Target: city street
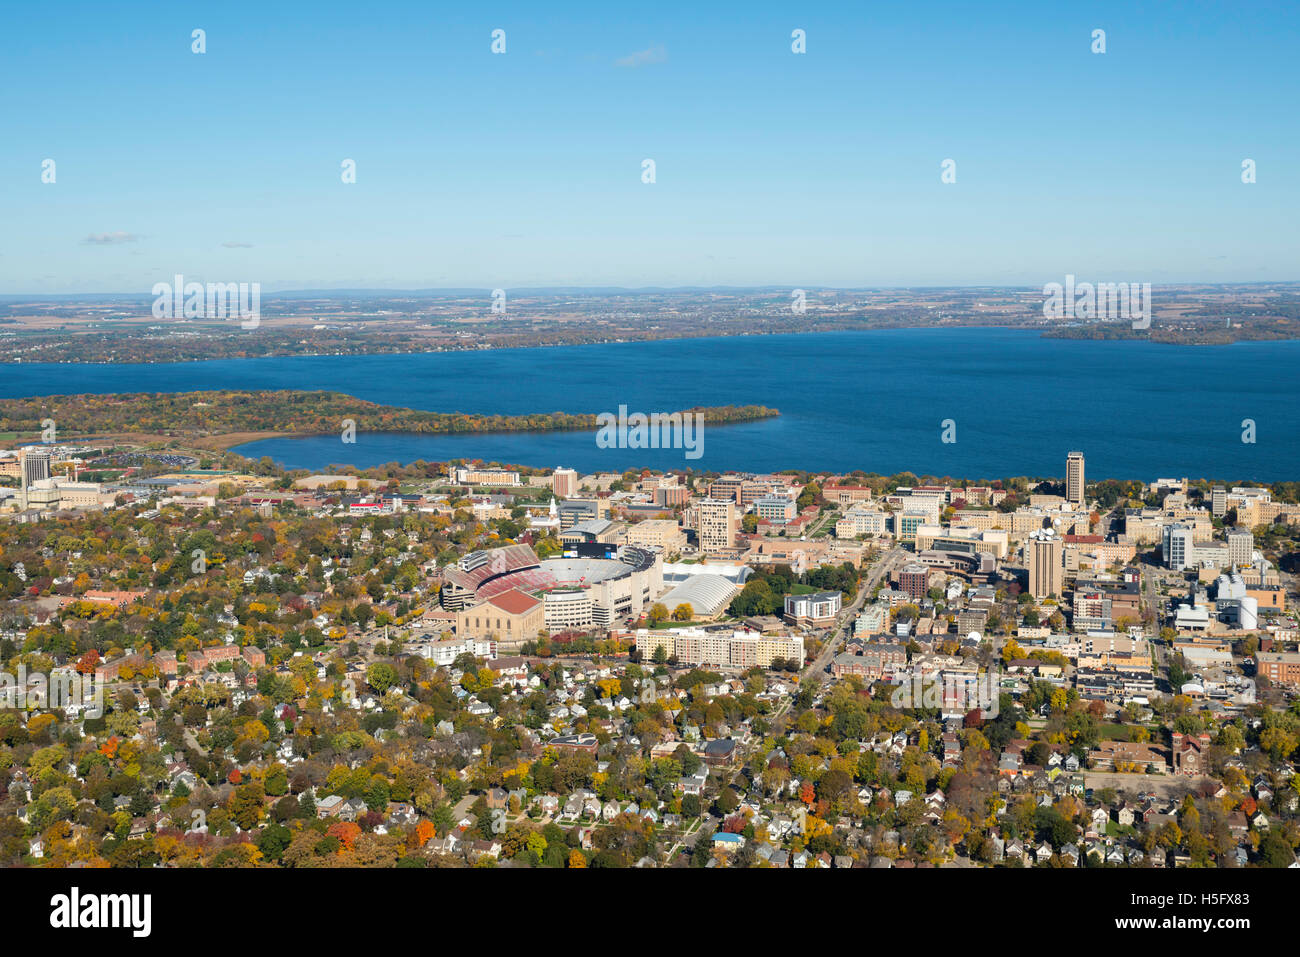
x=883, y=567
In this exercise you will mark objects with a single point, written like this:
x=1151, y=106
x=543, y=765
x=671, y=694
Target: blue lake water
x=873, y=400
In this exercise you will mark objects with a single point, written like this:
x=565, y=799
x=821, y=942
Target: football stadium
x=591, y=584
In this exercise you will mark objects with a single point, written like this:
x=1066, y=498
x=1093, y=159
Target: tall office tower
x=1219, y=501
x=1074, y=485
x=35, y=466
x=1176, y=546
x=564, y=482
x=1241, y=546
x=1045, y=556
x=717, y=524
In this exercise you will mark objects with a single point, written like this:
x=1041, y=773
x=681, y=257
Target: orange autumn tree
x=109, y=748
x=424, y=832
x=346, y=831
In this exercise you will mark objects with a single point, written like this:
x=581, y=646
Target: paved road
x=1151, y=596
x=462, y=807
x=193, y=741
x=811, y=674
x=884, y=565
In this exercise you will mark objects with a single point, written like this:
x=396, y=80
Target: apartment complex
x=468, y=476
x=720, y=647
x=817, y=609
x=444, y=652
x=875, y=662
x=915, y=580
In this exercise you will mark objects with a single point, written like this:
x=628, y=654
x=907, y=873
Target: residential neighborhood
x=505, y=668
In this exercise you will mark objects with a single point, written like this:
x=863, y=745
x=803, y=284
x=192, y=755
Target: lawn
x=1117, y=732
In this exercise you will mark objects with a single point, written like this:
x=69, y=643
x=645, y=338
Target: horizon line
x=606, y=288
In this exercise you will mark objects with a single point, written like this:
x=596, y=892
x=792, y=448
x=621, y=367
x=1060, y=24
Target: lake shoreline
x=874, y=400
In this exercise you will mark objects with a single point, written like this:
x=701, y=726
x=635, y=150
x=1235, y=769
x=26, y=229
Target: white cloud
x=110, y=239
x=654, y=54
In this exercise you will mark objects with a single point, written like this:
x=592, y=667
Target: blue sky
x=524, y=169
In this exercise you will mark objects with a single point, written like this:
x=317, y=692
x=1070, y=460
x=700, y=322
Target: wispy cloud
x=109, y=239
x=237, y=245
x=654, y=54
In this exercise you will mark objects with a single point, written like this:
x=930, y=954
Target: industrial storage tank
x=1248, y=614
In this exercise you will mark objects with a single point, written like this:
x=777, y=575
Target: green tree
x=381, y=676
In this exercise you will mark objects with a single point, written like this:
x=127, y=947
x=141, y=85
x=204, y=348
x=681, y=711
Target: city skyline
x=356, y=508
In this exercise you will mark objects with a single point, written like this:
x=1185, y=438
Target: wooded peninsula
x=198, y=415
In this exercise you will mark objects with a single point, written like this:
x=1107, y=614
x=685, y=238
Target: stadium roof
x=706, y=594
x=682, y=571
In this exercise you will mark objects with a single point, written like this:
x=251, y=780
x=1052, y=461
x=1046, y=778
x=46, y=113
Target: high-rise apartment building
x=564, y=483
x=717, y=525
x=1074, y=480
x=915, y=580
x=1045, y=556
